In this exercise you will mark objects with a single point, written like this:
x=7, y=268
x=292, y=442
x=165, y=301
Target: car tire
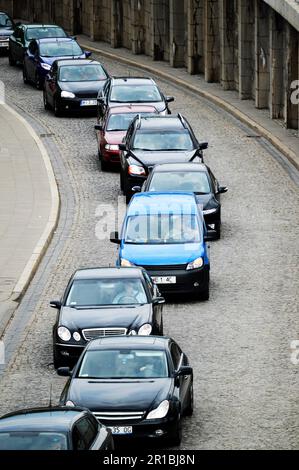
x=25, y=77
x=57, y=109
x=189, y=408
x=46, y=104
x=104, y=164
x=175, y=437
x=11, y=60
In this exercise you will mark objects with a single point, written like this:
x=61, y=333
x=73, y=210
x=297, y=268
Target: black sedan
x=153, y=140
x=59, y=428
x=24, y=33
x=6, y=30
x=73, y=85
x=103, y=302
x=194, y=177
x=140, y=387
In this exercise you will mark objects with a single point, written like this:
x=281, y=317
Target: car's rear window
x=44, y=32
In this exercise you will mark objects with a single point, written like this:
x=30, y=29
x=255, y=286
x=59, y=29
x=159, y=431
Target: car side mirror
x=169, y=99
x=136, y=189
x=55, y=304
x=114, y=238
x=222, y=189
x=184, y=370
x=159, y=300
x=203, y=145
x=98, y=127
x=122, y=147
x=87, y=54
x=64, y=371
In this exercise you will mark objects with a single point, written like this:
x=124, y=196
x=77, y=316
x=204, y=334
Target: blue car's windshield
x=60, y=49
x=123, y=364
x=162, y=229
x=26, y=440
x=45, y=32
x=82, y=73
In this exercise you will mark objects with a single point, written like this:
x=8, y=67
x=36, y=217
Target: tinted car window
x=163, y=140
x=78, y=439
x=176, y=355
x=32, y=441
x=60, y=49
x=38, y=33
x=135, y=94
x=121, y=122
x=87, y=292
x=116, y=364
x=195, y=181
x=87, y=430
x=81, y=73
x=5, y=20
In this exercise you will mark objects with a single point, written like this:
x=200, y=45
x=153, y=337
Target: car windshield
x=163, y=140
x=98, y=292
x=121, y=122
x=5, y=21
x=135, y=94
x=195, y=181
x=82, y=73
x=60, y=49
x=44, y=32
x=23, y=440
x=124, y=364
x=162, y=229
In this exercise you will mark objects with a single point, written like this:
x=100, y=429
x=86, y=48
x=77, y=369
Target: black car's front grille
x=94, y=333
x=166, y=267
x=119, y=416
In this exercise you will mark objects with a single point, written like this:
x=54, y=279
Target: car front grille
x=166, y=267
x=94, y=333
x=118, y=415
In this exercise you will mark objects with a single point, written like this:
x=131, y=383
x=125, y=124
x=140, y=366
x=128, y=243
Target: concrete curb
x=47, y=234
x=289, y=154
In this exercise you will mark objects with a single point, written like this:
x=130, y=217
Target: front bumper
x=187, y=282
x=111, y=156
x=74, y=104
x=69, y=352
x=134, y=181
x=4, y=44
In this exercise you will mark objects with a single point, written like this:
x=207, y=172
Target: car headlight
x=70, y=403
x=64, y=333
x=159, y=412
x=46, y=66
x=210, y=211
x=136, y=170
x=67, y=94
x=111, y=147
x=125, y=263
x=197, y=263
x=76, y=336
x=145, y=330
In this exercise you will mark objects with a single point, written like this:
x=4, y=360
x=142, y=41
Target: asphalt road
x=246, y=388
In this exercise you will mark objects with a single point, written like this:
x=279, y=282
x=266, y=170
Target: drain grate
x=253, y=136
x=46, y=135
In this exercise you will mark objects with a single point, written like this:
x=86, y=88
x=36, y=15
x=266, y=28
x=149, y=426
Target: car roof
x=132, y=108
x=104, y=273
x=136, y=342
x=163, y=203
x=116, y=81
x=161, y=122
x=40, y=419
x=177, y=167
x=40, y=25
x=79, y=62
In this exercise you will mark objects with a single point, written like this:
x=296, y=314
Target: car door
x=29, y=60
x=15, y=43
x=20, y=42
x=51, y=84
x=182, y=381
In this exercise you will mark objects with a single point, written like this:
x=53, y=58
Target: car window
x=135, y=94
x=82, y=73
x=26, y=440
x=5, y=21
x=121, y=122
x=78, y=439
x=86, y=429
x=175, y=355
x=163, y=140
x=60, y=49
x=195, y=181
x=45, y=32
x=149, y=283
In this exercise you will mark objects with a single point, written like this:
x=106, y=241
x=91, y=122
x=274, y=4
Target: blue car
x=41, y=54
x=165, y=233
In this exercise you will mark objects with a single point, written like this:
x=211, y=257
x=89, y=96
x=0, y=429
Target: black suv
x=154, y=140
x=132, y=90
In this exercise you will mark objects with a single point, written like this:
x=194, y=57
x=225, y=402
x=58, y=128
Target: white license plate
x=88, y=103
x=3, y=44
x=121, y=430
x=164, y=280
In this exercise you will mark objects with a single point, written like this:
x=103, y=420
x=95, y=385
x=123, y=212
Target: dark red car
x=112, y=128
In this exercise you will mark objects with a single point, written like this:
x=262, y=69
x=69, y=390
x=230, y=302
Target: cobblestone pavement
x=246, y=388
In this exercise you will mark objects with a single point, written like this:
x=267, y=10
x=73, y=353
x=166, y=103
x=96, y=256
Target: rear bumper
x=187, y=282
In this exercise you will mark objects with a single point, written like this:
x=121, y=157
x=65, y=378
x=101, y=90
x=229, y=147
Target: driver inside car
x=131, y=294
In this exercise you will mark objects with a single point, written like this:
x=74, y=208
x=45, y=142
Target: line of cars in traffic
x=108, y=334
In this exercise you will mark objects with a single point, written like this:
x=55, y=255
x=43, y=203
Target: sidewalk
x=285, y=140
x=29, y=207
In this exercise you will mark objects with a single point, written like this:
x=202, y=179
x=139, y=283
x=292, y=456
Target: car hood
x=151, y=158
x=115, y=137
x=119, y=394
x=126, y=317
x=6, y=31
x=82, y=87
x=153, y=255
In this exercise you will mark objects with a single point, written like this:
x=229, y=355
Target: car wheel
x=189, y=408
x=104, y=164
x=11, y=60
x=25, y=78
x=46, y=104
x=175, y=438
x=57, y=109
x=38, y=82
